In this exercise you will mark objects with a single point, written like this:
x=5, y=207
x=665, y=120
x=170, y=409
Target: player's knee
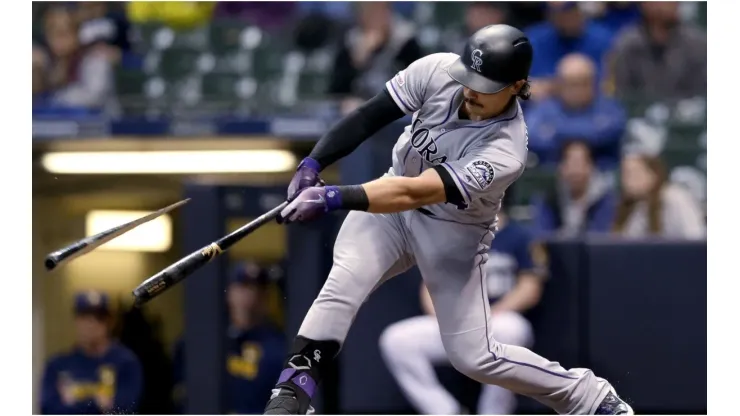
x=394, y=341
x=469, y=355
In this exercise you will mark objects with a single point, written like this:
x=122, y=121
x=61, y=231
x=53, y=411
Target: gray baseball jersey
x=483, y=158
x=450, y=244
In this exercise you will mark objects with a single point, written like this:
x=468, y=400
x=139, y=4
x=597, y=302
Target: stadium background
x=253, y=76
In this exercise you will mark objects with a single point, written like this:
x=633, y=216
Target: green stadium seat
x=267, y=62
x=312, y=85
x=177, y=63
x=130, y=82
x=225, y=36
x=447, y=13
x=684, y=135
x=684, y=156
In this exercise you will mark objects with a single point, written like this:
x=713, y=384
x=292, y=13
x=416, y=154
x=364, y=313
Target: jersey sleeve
x=484, y=173
x=408, y=87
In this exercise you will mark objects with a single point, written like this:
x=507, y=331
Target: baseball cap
x=92, y=301
x=249, y=273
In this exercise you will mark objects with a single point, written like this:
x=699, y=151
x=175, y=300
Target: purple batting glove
x=306, y=175
x=310, y=204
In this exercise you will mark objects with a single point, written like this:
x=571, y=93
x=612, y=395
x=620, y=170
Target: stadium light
x=169, y=162
x=154, y=236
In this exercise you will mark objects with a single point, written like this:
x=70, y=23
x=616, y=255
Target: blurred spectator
x=477, y=16
x=615, y=15
x=70, y=74
x=581, y=201
x=527, y=13
x=267, y=15
x=181, y=15
x=662, y=57
x=567, y=31
x=108, y=31
x=336, y=10
x=256, y=348
x=651, y=206
x=411, y=348
x=372, y=52
x=577, y=111
x=99, y=376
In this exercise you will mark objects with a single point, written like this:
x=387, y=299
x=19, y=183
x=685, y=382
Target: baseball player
x=413, y=346
x=435, y=209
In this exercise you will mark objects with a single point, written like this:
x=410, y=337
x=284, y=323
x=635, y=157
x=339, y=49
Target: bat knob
x=51, y=262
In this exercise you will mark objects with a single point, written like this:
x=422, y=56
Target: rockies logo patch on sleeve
x=482, y=172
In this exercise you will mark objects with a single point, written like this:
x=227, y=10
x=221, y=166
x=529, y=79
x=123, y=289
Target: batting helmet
x=494, y=58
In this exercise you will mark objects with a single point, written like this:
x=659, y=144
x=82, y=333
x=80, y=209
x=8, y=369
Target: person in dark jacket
x=372, y=52
x=577, y=112
x=99, y=376
x=567, y=30
x=582, y=201
x=256, y=348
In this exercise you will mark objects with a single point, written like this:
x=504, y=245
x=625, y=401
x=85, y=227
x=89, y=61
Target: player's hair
x=524, y=93
x=627, y=205
x=568, y=144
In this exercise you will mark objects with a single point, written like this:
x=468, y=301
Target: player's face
x=90, y=329
x=61, y=34
x=637, y=178
x=483, y=106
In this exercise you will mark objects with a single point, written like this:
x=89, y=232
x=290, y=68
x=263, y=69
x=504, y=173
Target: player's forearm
x=396, y=194
x=345, y=136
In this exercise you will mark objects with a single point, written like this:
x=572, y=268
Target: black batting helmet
x=494, y=58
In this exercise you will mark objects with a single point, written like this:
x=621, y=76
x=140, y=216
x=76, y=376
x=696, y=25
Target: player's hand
x=306, y=175
x=309, y=204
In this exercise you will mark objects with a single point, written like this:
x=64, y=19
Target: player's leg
x=410, y=349
x=368, y=250
x=513, y=329
x=451, y=257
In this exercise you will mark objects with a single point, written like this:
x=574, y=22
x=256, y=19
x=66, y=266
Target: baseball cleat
x=284, y=402
x=613, y=405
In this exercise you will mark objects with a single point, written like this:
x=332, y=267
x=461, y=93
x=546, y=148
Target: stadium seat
x=177, y=63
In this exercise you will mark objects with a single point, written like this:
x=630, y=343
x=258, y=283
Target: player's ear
x=516, y=87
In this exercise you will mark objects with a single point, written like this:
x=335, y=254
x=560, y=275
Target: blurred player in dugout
x=256, y=348
x=514, y=281
x=99, y=376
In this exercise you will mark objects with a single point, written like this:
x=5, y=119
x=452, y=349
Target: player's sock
x=302, y=373
x=613, y=405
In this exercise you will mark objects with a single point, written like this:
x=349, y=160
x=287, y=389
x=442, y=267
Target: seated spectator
x=71, y=75
x=651, y=207
x=256, y=348
x=661, y=56
x=99, y=376
x=581, y=201
x=566, y=31
x=108, y=31
x=577, y=111
x=372, y=52
x=412, y=347
x=615, y=15
x=477, y=16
